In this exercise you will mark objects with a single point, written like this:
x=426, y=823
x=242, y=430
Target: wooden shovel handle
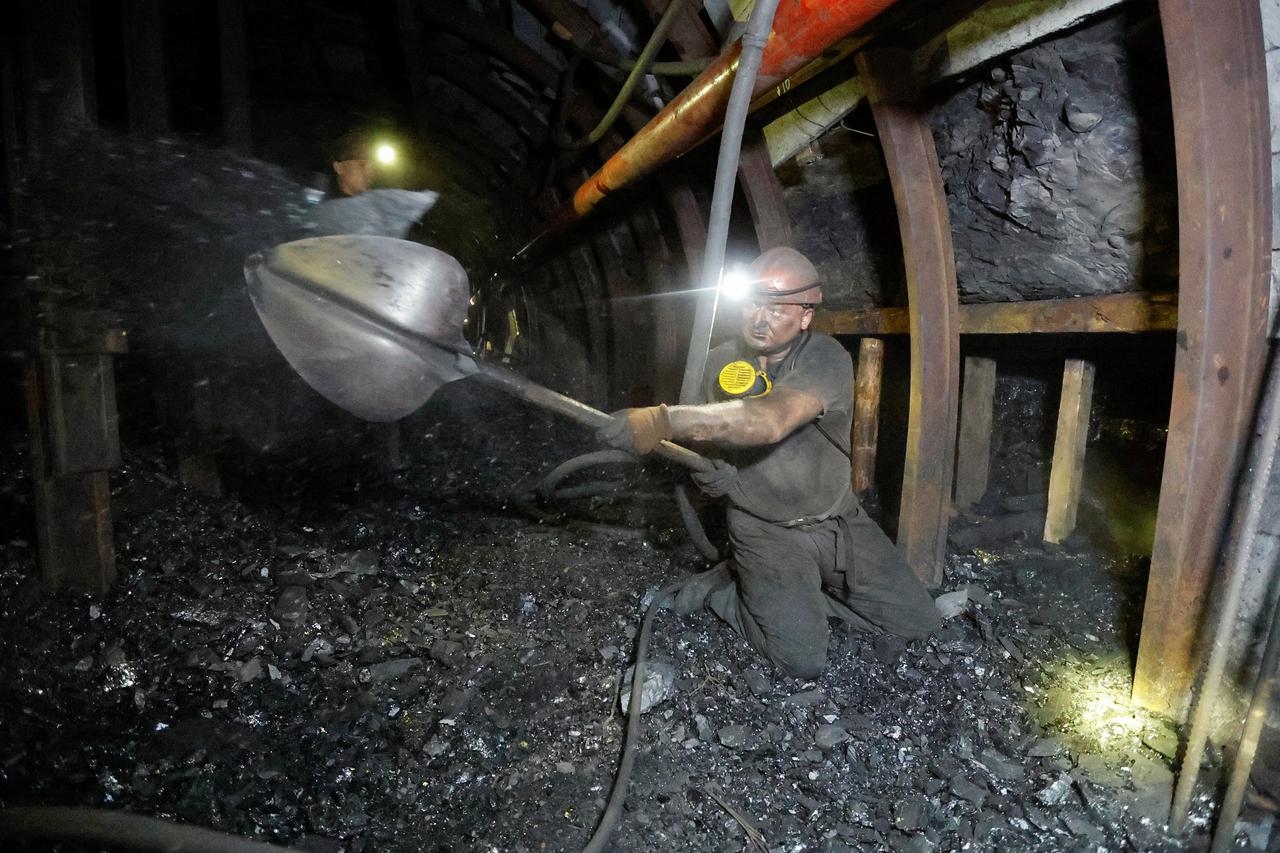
x=531, y=392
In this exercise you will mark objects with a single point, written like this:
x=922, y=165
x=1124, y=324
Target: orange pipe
x=802, y=29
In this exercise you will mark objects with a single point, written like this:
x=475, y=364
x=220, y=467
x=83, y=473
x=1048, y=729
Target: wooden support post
x=73, y=532
x=144, y=66
x=1068, y=449
x=71, y=412
x=973, y=450
x=236, y=128
x=197, y=459
x=866, y=412
x=912, y=162
x=1218, y=89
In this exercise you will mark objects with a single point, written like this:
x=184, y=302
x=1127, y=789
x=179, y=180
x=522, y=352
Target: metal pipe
x=802, y=30
x=751, y=51
x=1244, y=531
x=1224, y=832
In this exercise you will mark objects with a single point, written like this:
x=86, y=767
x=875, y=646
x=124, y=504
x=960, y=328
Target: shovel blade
x=374, y=324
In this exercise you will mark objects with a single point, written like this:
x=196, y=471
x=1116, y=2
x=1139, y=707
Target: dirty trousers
x=790, y=580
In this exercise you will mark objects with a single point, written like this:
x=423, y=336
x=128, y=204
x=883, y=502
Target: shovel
x=375, y=325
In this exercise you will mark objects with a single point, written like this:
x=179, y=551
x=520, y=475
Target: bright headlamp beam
x=734, y=284
x=385, y=154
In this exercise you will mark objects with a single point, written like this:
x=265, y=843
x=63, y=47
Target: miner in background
x=778, y=401
x=353, y=167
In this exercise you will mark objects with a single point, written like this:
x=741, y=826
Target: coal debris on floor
x=413, y=664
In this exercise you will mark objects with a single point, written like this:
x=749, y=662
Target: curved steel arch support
x=933, y=305
x=763, y=191
x=1217, y=80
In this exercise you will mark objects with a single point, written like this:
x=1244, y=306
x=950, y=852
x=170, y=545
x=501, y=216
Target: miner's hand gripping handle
x=531, y=392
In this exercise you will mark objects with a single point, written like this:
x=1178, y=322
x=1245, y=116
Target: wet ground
x=345, y=660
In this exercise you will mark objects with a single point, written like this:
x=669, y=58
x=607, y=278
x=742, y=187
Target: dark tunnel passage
x=1042, y=239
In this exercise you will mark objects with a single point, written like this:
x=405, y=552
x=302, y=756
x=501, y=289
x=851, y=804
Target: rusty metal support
x=763, y=193
x=802, y=30
x=912, y=162
x=1217, y=79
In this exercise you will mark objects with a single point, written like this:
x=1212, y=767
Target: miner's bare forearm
x=745, y=423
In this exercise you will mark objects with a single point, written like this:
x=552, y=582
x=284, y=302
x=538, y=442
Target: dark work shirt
x=805, y=474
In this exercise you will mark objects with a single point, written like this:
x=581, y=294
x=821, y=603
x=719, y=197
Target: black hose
x=618, y=794
x=547, y=485
x=123, y=830
x=693, y=524
x=688, y=513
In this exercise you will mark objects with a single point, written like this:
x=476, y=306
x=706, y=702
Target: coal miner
x=353, y=166
x=778, y=403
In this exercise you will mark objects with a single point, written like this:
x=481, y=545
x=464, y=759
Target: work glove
x=637, y=430
x=717, y=482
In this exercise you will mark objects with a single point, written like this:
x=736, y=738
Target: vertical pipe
x=753, y=43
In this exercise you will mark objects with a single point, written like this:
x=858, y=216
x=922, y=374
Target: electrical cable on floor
x=618, y=793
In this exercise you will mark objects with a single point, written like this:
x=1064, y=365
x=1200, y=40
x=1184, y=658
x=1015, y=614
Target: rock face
x=842, y=218
x=1058, y=166
x=1059, y=171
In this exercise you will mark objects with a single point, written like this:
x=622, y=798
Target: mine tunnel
x=639, y=425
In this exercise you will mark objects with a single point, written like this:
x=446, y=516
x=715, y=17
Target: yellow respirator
x=744, y=379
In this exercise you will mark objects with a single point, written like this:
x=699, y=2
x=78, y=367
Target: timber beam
x=1218, y=88
x=912, y=162
x=1117, y=312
